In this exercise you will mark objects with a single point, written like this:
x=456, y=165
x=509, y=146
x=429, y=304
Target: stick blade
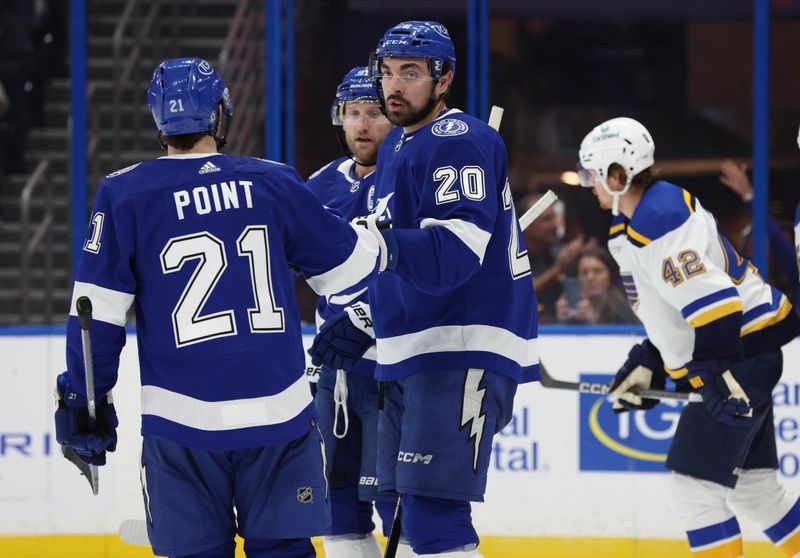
x=496, y=117
x=88, y=471
x=134, y=532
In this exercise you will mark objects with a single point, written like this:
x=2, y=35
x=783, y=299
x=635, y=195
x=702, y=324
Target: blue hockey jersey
x=202, y=245
x=337, y=187
x=461, y=295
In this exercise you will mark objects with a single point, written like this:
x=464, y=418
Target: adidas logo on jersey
x=209, y=167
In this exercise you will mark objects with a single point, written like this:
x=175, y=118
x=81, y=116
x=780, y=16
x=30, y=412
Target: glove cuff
x=361, y=317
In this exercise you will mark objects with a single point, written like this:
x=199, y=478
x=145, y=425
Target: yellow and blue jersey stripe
x=712, y=307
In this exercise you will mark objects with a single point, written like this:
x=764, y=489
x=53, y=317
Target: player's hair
x=642, y=181
x=185, y=142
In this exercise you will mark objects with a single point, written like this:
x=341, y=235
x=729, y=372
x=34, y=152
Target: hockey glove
x=723, y=396
x=344, y=338
x=643, y=369
x=72, y=423
x=382, y=230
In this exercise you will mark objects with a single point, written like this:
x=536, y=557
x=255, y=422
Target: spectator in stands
x=595, y=296
x=549, y=259
x=734, y=176
x=16, y=67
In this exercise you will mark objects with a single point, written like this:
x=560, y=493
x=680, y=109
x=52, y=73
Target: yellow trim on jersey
x=678, y=373
x=687, y=198
x=783, y=311
x=716, y=313
x=791, y=546
x=637, y=236
x=616, y=228
x=730, y=549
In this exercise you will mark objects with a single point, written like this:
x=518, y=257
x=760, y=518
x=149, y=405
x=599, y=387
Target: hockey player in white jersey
x=201, y=244
x=714, y=326
x=347, y=395
x=454, y=315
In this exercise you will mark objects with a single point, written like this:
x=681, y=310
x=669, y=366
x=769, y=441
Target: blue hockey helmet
x=184, y=97
x=357, y=85
x=416, y=39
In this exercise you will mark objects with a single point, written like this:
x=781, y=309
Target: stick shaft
x=537, y=209
x=602, y=389
x=394, y=533
x=84, y=309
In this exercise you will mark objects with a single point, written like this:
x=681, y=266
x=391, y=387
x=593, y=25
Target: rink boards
x=567, y=478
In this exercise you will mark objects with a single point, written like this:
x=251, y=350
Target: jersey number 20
x=187, y=323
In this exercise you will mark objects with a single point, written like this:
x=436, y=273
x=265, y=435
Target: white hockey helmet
x=620, y=140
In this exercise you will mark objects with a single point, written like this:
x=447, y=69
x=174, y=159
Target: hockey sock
x=352, y=546
x=435, y=525
x=723, y=540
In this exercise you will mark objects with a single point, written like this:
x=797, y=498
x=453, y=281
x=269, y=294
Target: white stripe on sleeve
x=356, y=267
x=470, y=234
x=108, y=305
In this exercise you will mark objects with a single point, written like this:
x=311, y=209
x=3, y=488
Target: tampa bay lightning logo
x=449, y=127
x=205, y=68
x=441, y=29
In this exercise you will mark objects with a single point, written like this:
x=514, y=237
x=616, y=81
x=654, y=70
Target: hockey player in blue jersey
x=347, y=399
x=201, y=243
x=715, y=327
x=454, y=315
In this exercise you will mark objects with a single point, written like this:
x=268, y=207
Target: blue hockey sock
x=434, y=525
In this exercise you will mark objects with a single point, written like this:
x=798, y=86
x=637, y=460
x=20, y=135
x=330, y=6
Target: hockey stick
x=134, y=531
x=394, y=533
x=495, y=118
x=84, y=307
x=602, y=389
x=537, y=209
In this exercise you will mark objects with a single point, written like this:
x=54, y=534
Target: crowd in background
x=32, y=50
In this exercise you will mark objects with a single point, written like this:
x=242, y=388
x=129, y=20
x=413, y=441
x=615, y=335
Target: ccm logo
x=411, y=457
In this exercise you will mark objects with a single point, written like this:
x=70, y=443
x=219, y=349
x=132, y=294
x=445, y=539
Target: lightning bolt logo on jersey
x=471, y=410
x=462, y=273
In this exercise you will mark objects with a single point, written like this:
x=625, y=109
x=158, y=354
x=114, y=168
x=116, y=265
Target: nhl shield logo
x=354, y=186
x=305, y=495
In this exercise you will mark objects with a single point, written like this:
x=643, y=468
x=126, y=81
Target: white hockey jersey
x=697, y=298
